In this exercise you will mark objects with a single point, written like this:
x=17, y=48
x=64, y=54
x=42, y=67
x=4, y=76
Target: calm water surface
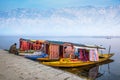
x=106, y=71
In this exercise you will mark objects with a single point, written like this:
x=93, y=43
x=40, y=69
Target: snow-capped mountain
x=79, y=12
x=80, y=17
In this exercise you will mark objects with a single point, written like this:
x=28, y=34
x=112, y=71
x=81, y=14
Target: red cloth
x=24, y=45
x=84, y=55
x=53, y=51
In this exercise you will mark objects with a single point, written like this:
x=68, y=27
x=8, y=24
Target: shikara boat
x=34, y=57
x=59, y=53
x=67, y=62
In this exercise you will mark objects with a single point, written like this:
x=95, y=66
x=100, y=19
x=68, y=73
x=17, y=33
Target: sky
x=60, y=17
x=45, y=4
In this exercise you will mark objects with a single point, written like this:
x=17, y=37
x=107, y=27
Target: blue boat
x=34, y=57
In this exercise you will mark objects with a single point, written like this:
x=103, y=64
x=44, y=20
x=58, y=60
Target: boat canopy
x=75, y=44
x=28, y=44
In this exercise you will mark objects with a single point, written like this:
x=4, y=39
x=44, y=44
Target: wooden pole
x=109, y=49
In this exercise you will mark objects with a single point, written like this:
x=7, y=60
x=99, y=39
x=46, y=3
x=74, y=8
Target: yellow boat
x=67, y=62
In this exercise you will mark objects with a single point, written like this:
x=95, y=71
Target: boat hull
x=33, y=57
x=66, y=62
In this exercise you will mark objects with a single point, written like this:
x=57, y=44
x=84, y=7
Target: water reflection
x=91, y=72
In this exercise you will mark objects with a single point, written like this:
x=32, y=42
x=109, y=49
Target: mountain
x=86, y=20
x=80, y=12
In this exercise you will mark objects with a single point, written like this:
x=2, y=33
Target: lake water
x=105, y=71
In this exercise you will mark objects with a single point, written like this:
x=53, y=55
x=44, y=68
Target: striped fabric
x=93, y=55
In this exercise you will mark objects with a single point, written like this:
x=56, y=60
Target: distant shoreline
x=108, y=37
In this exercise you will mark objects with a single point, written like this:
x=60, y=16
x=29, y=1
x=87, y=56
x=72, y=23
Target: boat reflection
x=90, y=72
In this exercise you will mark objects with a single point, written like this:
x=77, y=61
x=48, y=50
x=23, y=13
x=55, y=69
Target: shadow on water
x=91, y=72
